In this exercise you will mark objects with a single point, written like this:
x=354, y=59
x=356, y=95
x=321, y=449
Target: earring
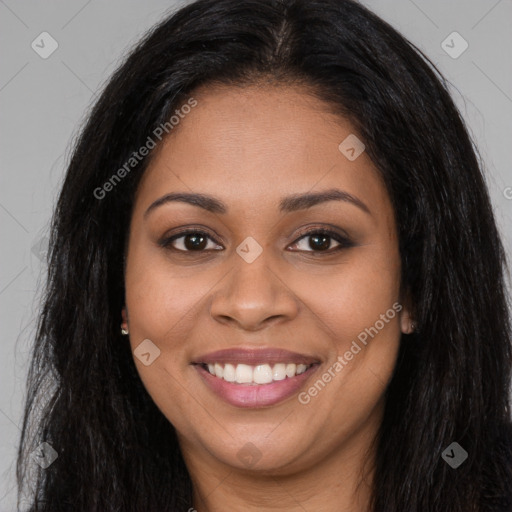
x=124, y=331
x=413, y=326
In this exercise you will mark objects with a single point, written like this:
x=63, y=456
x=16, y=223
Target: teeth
x=243, y=374
x=279, y=372
x=290, y=369
x=219, y=370
x=259, y=374
x=301, y=368
x=262, y=374
x=229, y=373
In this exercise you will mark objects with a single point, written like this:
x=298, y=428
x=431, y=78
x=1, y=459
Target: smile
x=255, y=378
x=260, y=374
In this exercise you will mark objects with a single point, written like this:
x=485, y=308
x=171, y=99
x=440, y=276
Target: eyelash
x=344, y=242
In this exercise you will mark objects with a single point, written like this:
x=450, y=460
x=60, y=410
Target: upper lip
x=254, y=357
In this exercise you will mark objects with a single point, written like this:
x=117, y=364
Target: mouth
x=255, y=375
x=255, y=378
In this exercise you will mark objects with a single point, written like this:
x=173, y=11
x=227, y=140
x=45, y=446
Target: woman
x=275, y=281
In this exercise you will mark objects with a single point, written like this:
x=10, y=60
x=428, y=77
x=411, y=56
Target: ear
x=124, y=315
x=407, y=323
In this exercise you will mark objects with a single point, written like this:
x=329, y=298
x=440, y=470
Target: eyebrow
x=288, y=204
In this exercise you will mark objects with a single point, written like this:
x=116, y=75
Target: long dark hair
x=116, y=450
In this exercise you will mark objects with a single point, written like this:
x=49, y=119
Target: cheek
x=161, y=307
x=354, y=295
x=160, y=302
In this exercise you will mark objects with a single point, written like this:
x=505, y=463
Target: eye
x=320, y=240
x=191, y=240
x=196, y=240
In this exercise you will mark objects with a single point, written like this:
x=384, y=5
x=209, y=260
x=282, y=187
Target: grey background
x=43, y=102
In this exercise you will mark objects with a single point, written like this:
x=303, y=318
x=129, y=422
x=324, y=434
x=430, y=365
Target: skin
x=250, y=147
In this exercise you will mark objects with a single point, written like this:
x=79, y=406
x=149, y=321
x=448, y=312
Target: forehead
x=256, y=144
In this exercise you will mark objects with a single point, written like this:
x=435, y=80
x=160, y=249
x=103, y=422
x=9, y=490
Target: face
x=282, y=278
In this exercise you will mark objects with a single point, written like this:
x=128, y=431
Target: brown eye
x=189, y=241
x=321, y=240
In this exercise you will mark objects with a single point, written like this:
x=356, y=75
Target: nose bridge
x=252, y=280
x=252, y=293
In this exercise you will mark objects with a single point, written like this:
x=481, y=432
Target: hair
x=116, y=450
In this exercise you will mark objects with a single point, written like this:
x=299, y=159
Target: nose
x=253, y=296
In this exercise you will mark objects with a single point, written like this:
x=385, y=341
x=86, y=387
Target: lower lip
x=261, y=395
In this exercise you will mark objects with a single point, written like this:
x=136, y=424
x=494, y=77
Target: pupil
x=195, y=241
x=323, y=244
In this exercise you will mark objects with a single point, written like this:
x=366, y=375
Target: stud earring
x=124, y=331
x=413, y=326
